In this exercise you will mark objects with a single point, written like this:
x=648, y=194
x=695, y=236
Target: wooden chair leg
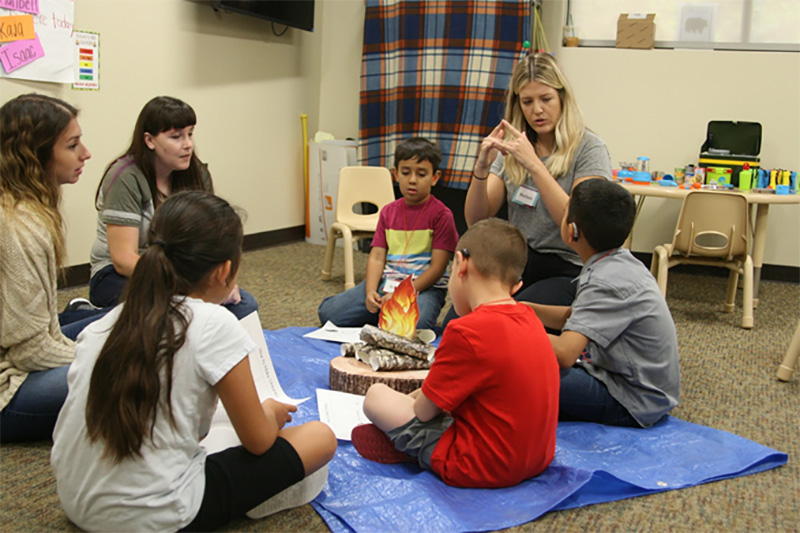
x=787, y=367
x=747, y=294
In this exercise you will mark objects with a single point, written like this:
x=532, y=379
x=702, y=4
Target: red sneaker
x=373, y=444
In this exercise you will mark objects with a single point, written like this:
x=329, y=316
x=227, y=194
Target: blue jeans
x=106, y=287
x=586, y=399
x=73, y=322
x=349, y=308
x=32, y=412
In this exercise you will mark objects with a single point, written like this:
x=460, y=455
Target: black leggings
x=237, y=481
x=547, y=279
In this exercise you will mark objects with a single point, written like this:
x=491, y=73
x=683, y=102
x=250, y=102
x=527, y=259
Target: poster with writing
x=49, y=55
x=87, y=61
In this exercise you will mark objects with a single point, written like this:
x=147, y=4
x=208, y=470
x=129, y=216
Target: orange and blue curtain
x=437, y=69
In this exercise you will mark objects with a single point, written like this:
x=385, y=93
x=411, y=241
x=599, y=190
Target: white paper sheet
x=341, y=411
x=332, y=332
x=222, y=435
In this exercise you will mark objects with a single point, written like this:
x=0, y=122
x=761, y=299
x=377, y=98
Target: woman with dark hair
x=40, y=150
x=144, y=387
x=160, y=161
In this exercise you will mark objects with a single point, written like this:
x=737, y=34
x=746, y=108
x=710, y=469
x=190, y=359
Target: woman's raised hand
x=487, y=152
x=519, y=146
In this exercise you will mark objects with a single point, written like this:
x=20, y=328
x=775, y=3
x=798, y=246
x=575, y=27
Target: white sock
x=295, y=495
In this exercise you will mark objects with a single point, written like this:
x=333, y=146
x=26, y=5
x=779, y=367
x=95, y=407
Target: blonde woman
x=40, y=150
x=531, y=161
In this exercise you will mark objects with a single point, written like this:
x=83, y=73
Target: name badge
x=525, y=195
x=389, y=285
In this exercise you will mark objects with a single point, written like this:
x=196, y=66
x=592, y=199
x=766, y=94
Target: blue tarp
x=593, y=464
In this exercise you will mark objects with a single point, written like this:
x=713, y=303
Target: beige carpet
x=728, y=383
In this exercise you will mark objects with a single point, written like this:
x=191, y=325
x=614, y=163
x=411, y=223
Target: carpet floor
x=728, y=377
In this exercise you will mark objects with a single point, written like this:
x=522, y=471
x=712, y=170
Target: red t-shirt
x=496, y=372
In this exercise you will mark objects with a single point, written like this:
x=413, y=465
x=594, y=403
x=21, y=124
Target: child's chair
x=372, y=185
x=713, y=229
x=789, y=363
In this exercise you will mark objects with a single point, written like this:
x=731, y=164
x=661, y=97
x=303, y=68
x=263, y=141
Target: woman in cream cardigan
x=40, y=150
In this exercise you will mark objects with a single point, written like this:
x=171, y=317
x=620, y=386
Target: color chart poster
x=46, y=53
x=87, y=61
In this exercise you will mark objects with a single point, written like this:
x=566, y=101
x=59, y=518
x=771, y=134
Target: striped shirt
x=410, y=233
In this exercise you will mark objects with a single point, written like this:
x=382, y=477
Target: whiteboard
x=54, y=26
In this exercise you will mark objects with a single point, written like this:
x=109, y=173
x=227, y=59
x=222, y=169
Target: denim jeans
x=32, y=412
x=106, y=287
x=586, y=399
x=349, y=308
x=73, y=322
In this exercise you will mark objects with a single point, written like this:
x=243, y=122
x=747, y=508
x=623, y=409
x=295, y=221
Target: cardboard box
x=325, y=160
x=636, y=30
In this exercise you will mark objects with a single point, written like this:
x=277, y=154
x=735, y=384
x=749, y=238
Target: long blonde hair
x=569, y=129
x=29, y=127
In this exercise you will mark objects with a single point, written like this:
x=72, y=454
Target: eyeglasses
x=465, y=253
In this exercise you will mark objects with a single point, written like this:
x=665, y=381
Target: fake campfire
x=390, y=353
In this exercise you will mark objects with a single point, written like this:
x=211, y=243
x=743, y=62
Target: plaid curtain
x=437, y=69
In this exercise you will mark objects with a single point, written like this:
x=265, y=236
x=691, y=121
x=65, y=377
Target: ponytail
x=192, y=232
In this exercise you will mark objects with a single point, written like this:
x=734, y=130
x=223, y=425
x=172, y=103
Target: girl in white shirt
x=145, y=383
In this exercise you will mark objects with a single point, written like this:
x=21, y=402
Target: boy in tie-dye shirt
x=416, y=235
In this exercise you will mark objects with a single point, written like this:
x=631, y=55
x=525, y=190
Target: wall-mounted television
x=294, y=13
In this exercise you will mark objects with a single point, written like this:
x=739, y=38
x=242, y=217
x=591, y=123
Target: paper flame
x=399, y=314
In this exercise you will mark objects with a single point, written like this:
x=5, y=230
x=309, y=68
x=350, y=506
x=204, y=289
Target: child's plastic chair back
x=713, y=224
x=357, y=186
x=713, y=230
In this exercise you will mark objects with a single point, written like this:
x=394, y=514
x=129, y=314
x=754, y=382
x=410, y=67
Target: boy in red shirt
x=487, y=412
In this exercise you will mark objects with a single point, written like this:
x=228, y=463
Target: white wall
x=249, y=88
x=657, y=103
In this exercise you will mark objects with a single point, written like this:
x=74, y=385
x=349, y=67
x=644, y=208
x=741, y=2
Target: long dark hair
x=30, y=124
x=192, y=232
x=161, y=114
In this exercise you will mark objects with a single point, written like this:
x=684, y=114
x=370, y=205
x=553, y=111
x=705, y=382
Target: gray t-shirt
x=542, y=232
x=124, y=200
x=633, y=347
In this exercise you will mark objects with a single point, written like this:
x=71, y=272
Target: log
x=392, y=362
x=385, y=339
x=348, y=349
x=387, y=360
x=349, y=375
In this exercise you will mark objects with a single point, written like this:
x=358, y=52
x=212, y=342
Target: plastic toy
x=746, y=178
x=642, y=174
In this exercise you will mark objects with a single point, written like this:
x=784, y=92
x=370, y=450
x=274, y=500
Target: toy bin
x=719, y=175
x=731, y=144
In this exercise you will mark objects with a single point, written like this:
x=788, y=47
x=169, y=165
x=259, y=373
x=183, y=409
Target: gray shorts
x=418, y=439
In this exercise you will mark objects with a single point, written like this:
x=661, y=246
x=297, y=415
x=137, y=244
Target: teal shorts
x=418, y=439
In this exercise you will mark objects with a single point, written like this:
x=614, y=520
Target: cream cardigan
x=30, y=336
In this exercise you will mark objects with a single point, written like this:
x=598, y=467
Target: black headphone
x=575, y=233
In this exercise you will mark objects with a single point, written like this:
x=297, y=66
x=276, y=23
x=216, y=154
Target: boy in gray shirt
x=618, y=349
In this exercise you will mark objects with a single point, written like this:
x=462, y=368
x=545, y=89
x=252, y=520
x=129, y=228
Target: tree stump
x=349, y=375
